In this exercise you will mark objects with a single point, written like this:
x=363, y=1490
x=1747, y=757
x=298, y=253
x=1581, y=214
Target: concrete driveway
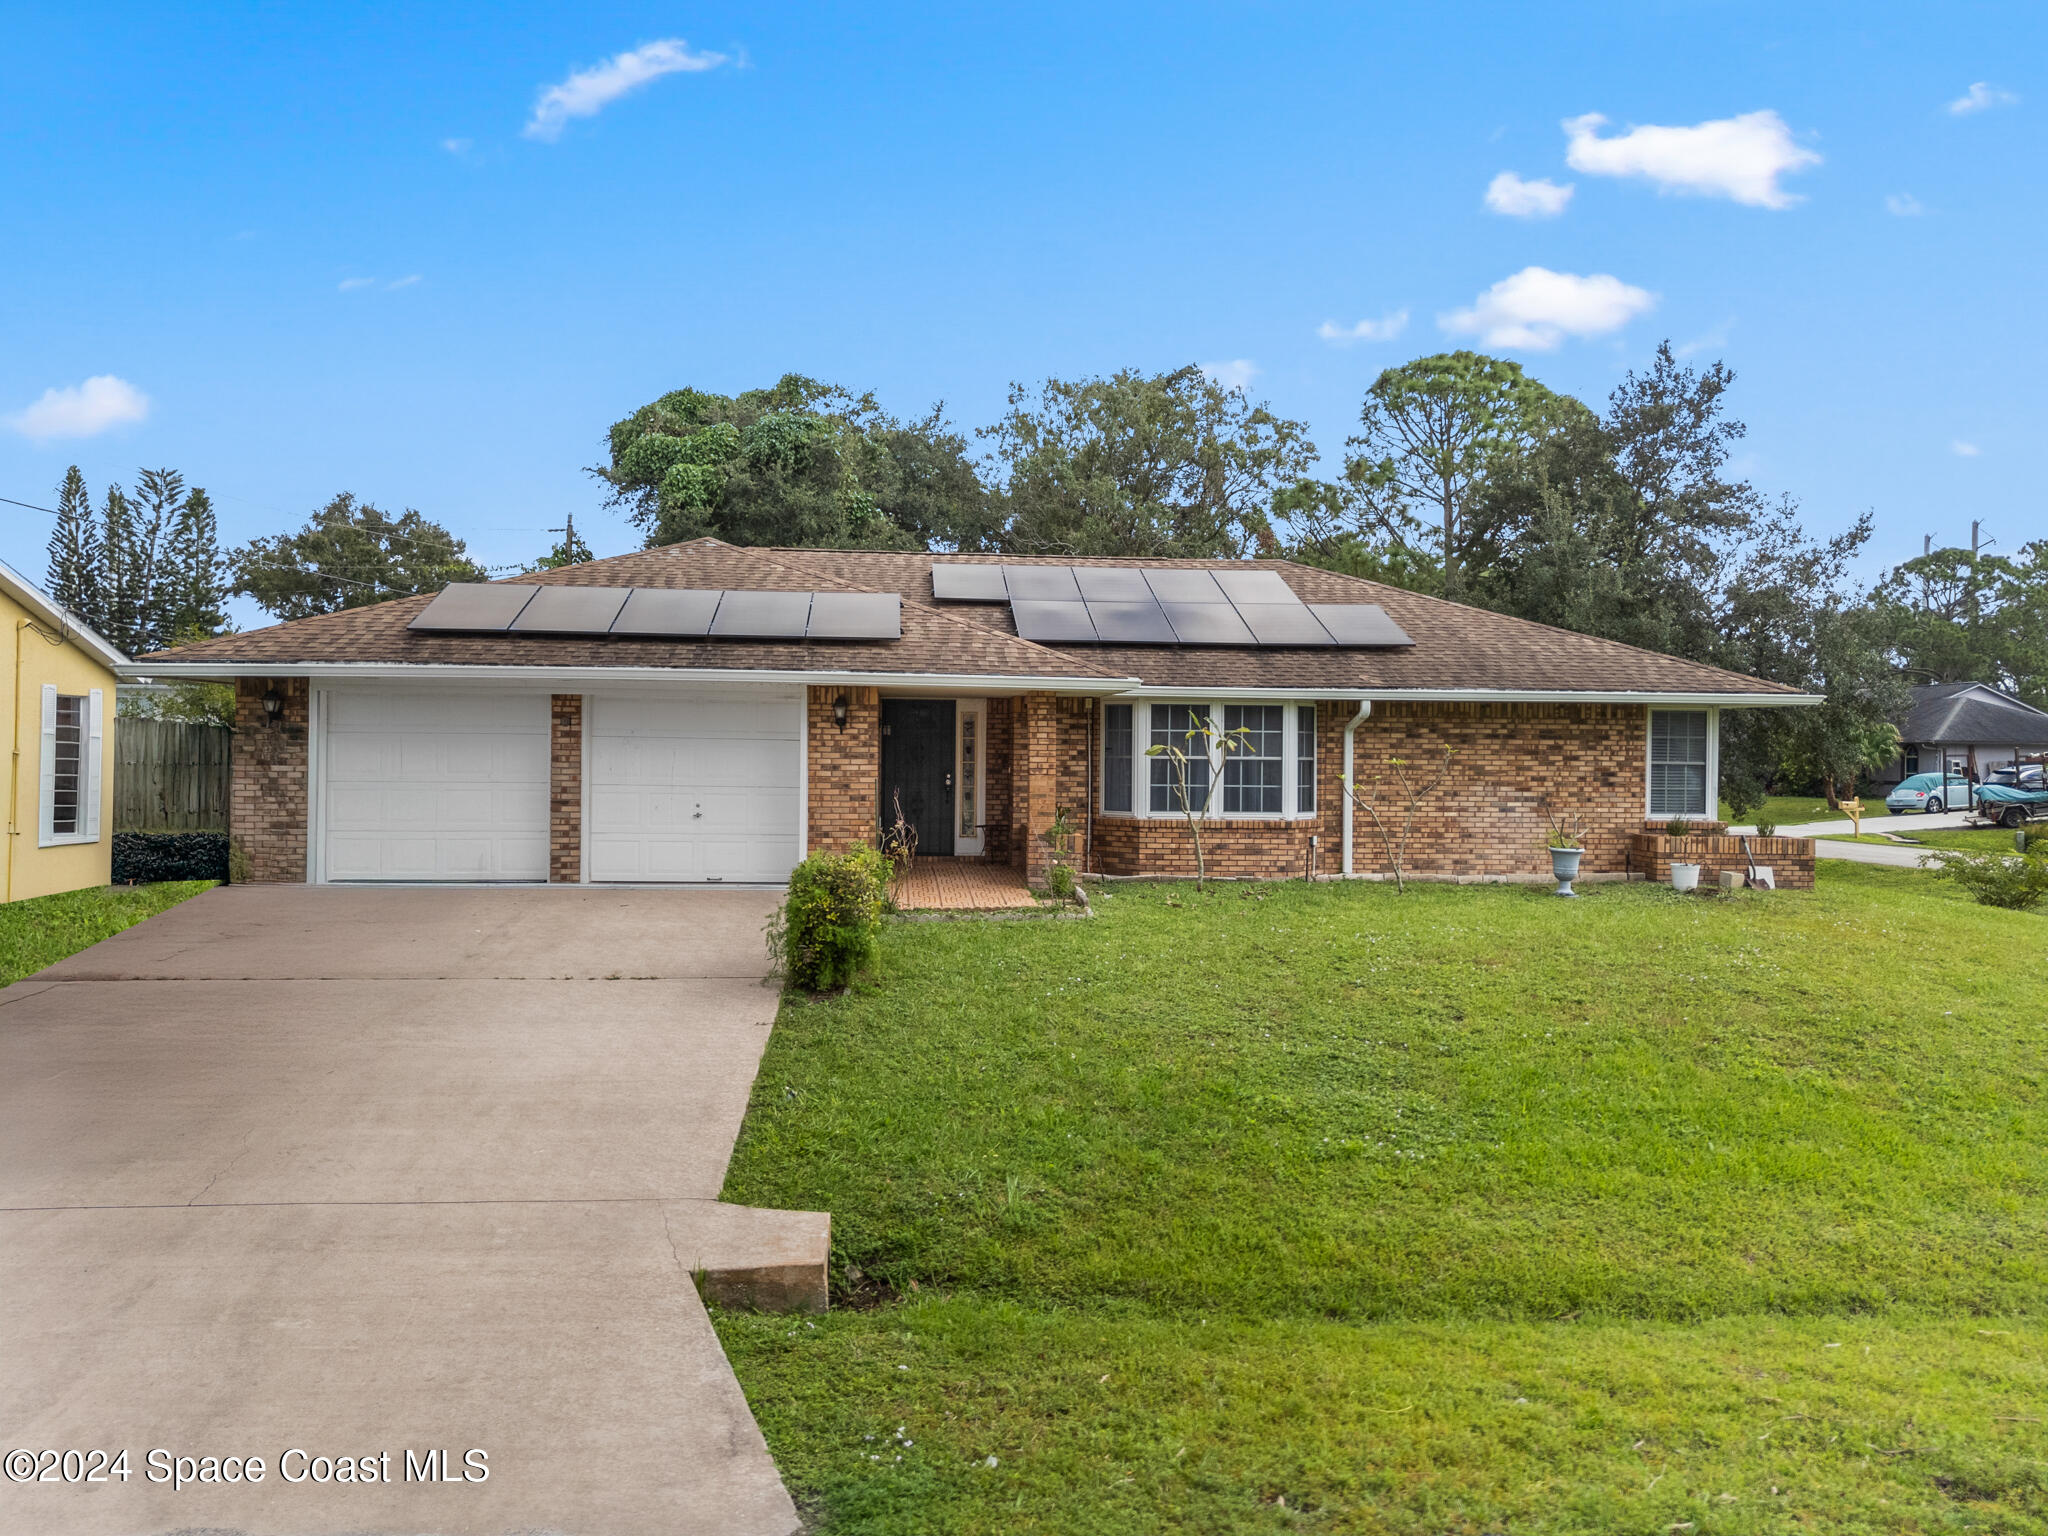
x=377, y=1172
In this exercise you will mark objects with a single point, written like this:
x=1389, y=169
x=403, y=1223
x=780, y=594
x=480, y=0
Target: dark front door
x=917, y=768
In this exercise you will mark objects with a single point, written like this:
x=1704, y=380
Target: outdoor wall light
x=273, y=706
x=839, y=708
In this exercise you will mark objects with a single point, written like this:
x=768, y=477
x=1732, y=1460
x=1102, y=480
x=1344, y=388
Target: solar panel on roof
x=969, y=584
x=570, y=611
x=1111, y=584
x=856, y=616
x=1207, y=624
x=1283, y=624
x=1243, y=587
x=1359, y=624
x=1184, y=587
x=1131, y=623
x=475, y=605
x=676, y=613
x=1053, y=622
x=1042, y=583
x=762, y=615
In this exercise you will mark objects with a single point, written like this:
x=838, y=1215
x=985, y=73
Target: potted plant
x=1685, y=876
x=1567, y=847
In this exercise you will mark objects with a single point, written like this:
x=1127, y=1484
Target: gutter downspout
x=1350, y=732
x=14, y=768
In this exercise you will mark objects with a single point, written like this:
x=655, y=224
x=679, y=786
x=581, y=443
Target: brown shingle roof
x=1456, y=647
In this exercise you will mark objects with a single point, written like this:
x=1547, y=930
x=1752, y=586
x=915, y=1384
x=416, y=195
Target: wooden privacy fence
x=170, y=776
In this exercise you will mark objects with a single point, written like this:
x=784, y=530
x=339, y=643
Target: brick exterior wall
x=565, y=789
x=267, y=781
x=997, y=841
x=1789, y=859
x=845, y=767
x=1486, y=821
x=1509, y=763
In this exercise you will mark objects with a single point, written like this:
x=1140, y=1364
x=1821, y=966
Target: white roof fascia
x=45, y=607
x=1486, y=696
x=393, y=671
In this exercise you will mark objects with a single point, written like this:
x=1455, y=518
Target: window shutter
x=89, y=780
x=46, y=783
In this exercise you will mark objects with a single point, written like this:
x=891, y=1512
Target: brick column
x=845, y=767
x=1035, y=784
x=267, y=783
x=565, y=789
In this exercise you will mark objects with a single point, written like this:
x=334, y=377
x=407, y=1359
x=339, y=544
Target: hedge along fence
x=170, y=776
x=142, y=858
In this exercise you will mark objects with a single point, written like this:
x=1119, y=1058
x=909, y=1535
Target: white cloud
x=1734, y=157
x=1507, y=193
x=1903, y=205
x=1238, y=373
x=351, y=284
x=1981, y=97
x=457, y=147
x=1711, y=341
x=1386, y=328
x=588, y=92
x=1537, y=308
x=84, y=410
x=1963, y=450
x=403, y=282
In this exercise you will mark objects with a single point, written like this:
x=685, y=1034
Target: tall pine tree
x=75, y=552
x=195, y=577
x=153, y=597
x=117, y=574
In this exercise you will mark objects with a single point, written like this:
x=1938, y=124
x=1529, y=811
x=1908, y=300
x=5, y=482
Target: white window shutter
x=89, y=780
x=46, y=783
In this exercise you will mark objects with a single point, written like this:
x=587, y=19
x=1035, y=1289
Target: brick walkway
x=961, y=885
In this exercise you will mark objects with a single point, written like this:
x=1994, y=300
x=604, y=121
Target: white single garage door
x=433, y=784
x=699, y=786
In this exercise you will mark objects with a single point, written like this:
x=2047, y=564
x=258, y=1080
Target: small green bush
x=2010, y=880
x=1059, y=880
x=1678, y=826
x=1765, y=827
x=830, y=927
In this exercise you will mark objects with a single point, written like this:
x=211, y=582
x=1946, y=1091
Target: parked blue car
x=1929, y=792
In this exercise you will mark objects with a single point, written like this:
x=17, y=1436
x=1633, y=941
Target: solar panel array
x=1145, y=605
x=662, y=613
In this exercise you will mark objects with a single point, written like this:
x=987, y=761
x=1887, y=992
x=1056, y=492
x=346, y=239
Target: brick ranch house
x=707, y=713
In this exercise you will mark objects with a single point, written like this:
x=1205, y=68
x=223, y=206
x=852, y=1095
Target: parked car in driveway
x=1930, y=792
x=2029, y=776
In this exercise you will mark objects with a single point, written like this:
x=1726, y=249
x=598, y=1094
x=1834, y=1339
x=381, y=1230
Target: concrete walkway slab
x=507, y=933
x=563, y=1340
x=181, y=1092
x=359, y=1172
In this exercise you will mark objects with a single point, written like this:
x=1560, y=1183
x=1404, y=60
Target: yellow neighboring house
x=58, y=690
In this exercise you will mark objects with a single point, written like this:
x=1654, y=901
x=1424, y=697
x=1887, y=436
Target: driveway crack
x=227, y=1169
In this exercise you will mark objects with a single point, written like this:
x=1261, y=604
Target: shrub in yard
x=2011, y=880
x=1765, y=827
x=143, y=858
x=831, y=925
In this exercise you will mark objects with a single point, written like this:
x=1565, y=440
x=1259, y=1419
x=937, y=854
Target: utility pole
x=568, y=533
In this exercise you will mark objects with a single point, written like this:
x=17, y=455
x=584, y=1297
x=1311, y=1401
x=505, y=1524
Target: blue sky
x=313, y=249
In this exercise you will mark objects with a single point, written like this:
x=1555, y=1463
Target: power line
x=31, y=506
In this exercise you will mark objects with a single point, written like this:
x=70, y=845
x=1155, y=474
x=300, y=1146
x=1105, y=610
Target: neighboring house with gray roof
x=1975, y=727
x=707, y=713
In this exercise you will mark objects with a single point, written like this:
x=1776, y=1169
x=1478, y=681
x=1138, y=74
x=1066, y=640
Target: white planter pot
x=1685, y=877
x=1564, y=868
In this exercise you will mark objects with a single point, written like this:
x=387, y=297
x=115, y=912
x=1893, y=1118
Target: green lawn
x=41, y=932
x=1788, y=811
x=1969, y=839
x=1468, y=1210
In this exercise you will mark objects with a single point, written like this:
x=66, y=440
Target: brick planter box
x=1790, y=859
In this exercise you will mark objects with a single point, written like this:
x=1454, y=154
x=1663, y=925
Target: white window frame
x=970, y=844
x=91, y=748
x=1713, y=810
x=1141, y=778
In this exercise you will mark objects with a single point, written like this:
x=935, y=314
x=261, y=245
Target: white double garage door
x=453, y=784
